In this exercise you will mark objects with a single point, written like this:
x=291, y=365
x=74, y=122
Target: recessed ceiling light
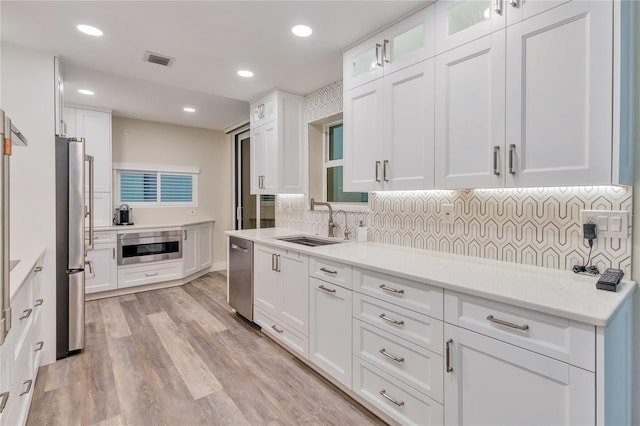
x=301, y=30
x=86, y=92
x=189, y=109
x=88, y=29
x=245, y=73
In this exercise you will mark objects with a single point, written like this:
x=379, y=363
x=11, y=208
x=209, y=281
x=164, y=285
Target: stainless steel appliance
x=123, y=215
x=241, y=276
x=140, y=247
x=71, y=246
x=9, y=136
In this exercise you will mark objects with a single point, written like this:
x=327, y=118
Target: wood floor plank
x=187, y=309
x=115, y=323
x=92, y=312
x=198, y=378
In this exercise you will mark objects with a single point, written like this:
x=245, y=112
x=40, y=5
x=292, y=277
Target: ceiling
x=210, y=41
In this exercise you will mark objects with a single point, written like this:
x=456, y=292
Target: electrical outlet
x=447, y=213
x=191, y=212
x=609, y=223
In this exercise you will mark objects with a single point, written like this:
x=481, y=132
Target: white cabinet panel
x=105, y=268
x=295, y=292
x=69, y=115
x=102, y=209
x=264, y=159
x=296, y=342
x=330, y=329
x=559, y=105
x=267, y=287
x=204, y=252
x=470, y=114
x=409, y=128
x=363, y=137
x=500, y=384
x=189, y=249
x=95, y=127
x=363, y=63
x=518, y=10
x=131, y=276
x=410, y=41
x=459, y=22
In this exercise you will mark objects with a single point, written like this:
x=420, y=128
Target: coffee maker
x=123, y=215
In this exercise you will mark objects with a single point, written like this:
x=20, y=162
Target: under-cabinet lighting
x=88, y=29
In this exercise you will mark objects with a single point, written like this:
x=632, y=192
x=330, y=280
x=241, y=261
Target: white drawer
x=22, y=389
x=402, y=403
x=409, y=325
x=329, y=271
x=131, y=276
x=100, y=237
x=418, y=297
x=556, y=337
x=412, y=364
x=296, y=342
x=22, y=315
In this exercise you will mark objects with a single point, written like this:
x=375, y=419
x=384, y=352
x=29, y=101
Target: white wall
x=635, y=268
x=27, y=97
x=168, y=144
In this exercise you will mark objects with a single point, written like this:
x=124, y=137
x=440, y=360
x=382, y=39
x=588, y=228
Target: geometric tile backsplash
x=533, y=226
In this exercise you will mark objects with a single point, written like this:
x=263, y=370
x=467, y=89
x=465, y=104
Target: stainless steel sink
x=308, y=241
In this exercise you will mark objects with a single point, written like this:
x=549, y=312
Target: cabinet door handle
x=514, y=3
x=391, y=320
x=497, y=6
x=398, y=403
x=113, y=253
x=39, y=346
x=273, y=261
x=25, y=314
x=377, y=171
x=496, y=151
x=150, y=274
x=384, y=170
x=28, y=383
x=524, y=327
x=385, y=51
x=328, y=290
x=390, y=289
x=38, y=269
x=185, y=234
x=393, y=357
x=512, y=151
x=378, y=60
x=5, y=398
x=278, y=262
x=277, y=329
x=328, y=271
x=39, y=302
x=447, y=355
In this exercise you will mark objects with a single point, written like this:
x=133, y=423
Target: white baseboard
x=218, y=266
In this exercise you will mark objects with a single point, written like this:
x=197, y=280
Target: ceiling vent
x=156, y=58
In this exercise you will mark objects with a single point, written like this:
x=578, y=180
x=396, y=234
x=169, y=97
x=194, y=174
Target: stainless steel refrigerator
x=72, y=243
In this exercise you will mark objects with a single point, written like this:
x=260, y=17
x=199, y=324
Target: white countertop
x=139, y=226
x=27, y=254
x=551, y=291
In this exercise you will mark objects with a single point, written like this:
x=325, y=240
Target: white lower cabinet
x=492, y=382
x=189, y=249
x=329, y=329
x=135, y=275
x=278, y=330
x=105, y=268
x=204, y=255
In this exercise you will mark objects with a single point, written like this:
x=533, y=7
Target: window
x=333, y=169
x=157, y=188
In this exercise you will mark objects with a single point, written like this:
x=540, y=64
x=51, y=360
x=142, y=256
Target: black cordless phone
x=609, y=279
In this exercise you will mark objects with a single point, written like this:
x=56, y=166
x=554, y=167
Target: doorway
x=251, y=211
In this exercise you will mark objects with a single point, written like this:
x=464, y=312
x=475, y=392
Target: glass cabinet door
x=459, y=22
x=410, y=41
x=363, y=63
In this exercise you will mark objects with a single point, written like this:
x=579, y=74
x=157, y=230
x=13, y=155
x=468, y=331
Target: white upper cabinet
x=408, y=42
x=95, y=127
x=276, y=144
x=518, y=10
x=459, y=22
x=559, y=98
x=470, y=114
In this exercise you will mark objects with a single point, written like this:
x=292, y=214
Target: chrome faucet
x=332, y=225
x=346, y=228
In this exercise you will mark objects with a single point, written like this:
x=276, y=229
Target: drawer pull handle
x=39, y=346
x=391, y=320
x=393, y=357
x=398, y=403
x=391, y=289
x=330, y=290
x=447, y=355
x=524, y=327
x=38, y=269
x=150, y=274
x=5, y=398
x=28, y=383
x=277, y=329
x=25, y=314
x=39, y=302
x=328, y=271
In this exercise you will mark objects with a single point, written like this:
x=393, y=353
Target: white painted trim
x=238, y=127
x=218, y=266
x=155, y=168
x=87, y=108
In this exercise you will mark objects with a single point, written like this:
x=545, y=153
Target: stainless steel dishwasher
x=241, y=276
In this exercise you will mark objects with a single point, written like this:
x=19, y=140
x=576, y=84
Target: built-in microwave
x=141, y=247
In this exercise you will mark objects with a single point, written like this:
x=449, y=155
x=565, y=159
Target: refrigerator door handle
x=90, y=159
x=76, y=311
x=89, y=273
x=5, y=297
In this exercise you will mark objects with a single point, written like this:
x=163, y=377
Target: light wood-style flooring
x=180, y=356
